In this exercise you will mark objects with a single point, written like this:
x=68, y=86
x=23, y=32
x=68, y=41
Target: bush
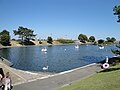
x=14, y=39
x=40, y=42
x=100, y=41
x=49, y=40
x=6, y=43
x=26, y=42
x=33, y=39
x=65, y=41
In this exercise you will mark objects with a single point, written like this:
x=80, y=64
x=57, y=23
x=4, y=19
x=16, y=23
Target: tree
x=116, y=10
x=24, y=33
x=5, y=38
x=113, y=39
x=108, y=39
x=49, y=40
x=92, y=38
x=83, y=38
x=101, y=41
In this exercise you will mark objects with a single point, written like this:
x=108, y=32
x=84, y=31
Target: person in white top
x=7, y=82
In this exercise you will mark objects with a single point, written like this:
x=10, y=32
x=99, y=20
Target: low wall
x=5, y=61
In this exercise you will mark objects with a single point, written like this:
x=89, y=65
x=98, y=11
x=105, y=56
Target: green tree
x=113, y=39
x=101, y=41
x=49, y=40
x=108, y=39
x=91, y=38
x=116, y=10
x=24, y=33
x=5, y=38
x=83, y=38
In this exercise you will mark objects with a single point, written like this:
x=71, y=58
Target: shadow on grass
x=26, y=43
x=110, y=69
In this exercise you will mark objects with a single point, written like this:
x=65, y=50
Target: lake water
x=59, y=58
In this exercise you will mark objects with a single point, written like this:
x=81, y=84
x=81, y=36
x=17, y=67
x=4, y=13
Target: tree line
x=83, y=38
x=26, y=35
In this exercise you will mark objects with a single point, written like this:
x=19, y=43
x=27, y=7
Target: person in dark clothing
x=1, y=79
x=2, y=73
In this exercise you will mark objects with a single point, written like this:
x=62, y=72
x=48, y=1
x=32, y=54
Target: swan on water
x=76, y=46
x=101, y=47
x=44, y=49
x=45, y=68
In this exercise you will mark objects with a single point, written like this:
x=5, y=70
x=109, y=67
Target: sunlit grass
x=107, y=80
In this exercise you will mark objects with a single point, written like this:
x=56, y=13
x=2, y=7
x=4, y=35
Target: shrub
x=65, y=41
x=40, y=42
x=49, y=40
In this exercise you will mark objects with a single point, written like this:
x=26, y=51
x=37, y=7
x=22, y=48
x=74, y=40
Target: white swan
x=76, y=46
x=44, y=49
x=101, y=47
x=45, y=68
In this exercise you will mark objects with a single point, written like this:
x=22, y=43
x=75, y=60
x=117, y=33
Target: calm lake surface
x=58, y=58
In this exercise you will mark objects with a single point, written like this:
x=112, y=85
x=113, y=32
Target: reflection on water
x=58, y=58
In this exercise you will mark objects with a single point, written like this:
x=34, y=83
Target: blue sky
x=61, y=18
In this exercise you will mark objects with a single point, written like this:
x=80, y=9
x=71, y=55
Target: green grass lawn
x=106, y=80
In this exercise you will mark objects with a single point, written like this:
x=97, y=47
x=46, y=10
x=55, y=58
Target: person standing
x=7, y=82
x=1, y=82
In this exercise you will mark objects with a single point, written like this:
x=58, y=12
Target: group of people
x=5, y=82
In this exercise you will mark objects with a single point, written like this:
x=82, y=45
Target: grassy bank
x=16, y=43
x=107, y=80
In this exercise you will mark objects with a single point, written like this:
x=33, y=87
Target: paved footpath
x=54, y=81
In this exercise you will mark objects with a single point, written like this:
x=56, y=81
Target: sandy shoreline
x=16, y=44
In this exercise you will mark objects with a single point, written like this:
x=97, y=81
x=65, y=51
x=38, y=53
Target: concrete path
x=54, y=81
x=19, y=76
